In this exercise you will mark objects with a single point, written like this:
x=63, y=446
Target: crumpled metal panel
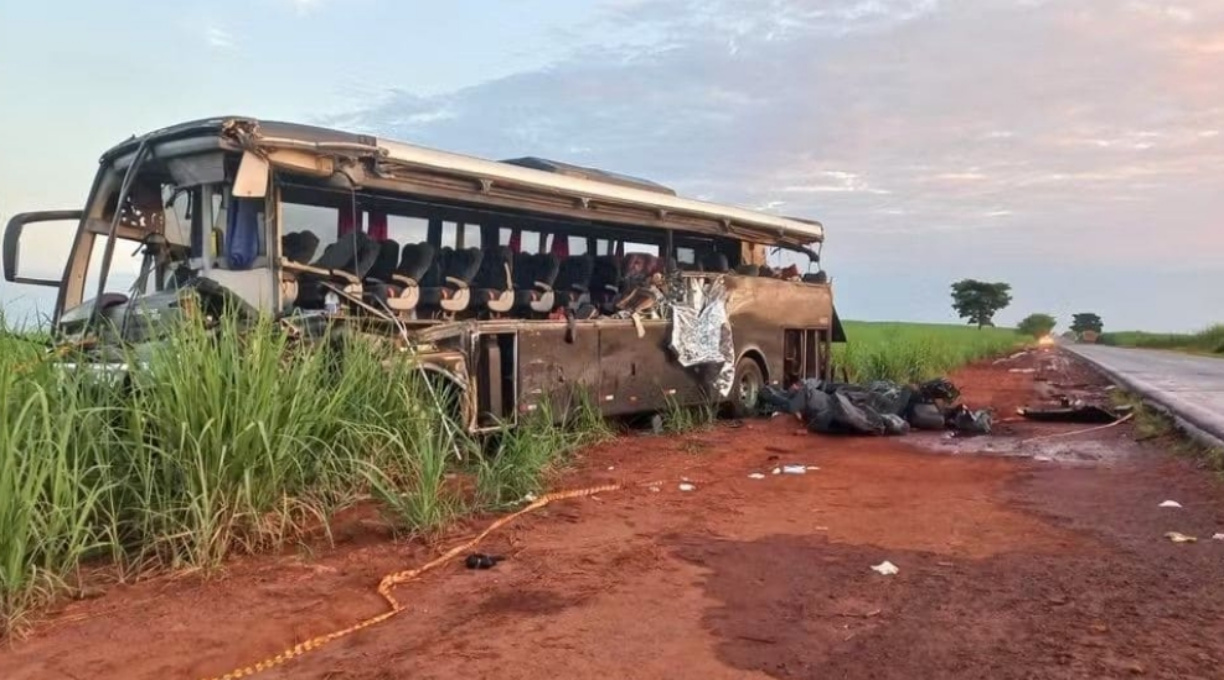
x=701, y=331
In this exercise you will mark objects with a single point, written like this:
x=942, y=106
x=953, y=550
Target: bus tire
x=746, y=388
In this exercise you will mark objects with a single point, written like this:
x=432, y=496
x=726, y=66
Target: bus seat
x=451, y=276
x=299, y=246
x=606, y=282
x=385, y=262
x=715, y=262
x=534, y=277
x=816, y=277
x=494, y=282
x=345, y=262
x=574, y=281
x=415, y=262
x=378, y=282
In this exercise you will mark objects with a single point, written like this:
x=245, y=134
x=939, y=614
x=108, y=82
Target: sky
x=1072, y=148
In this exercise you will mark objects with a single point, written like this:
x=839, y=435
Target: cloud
x=921, y=120
x=219, y=38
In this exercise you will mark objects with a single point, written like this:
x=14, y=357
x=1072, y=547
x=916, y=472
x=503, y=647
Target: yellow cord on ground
x=390, y=581
x=1073, y=433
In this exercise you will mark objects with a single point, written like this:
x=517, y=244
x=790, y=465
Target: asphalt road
x=1191, y=387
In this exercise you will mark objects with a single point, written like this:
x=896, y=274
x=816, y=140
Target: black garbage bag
x=927, y=417
x=843, y=416
x=939, y=389
x=969, y=422
x=895, y=424
x=818, y=412
x=774, y=400
x=889, y=398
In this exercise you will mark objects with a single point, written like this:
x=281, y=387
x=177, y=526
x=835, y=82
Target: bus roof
x=577, y=185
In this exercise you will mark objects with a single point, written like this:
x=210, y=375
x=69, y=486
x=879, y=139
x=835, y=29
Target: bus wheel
x=746, y=389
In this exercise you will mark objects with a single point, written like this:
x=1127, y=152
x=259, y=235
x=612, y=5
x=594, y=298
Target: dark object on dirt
x=482, y=561
x=876, y=408
x=841, y=415
x=927, y=417
x=938, y=389
x=895, y=425
x=969, y=422
x=1081, y=413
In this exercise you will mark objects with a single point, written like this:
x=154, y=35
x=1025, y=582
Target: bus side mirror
x=12, y=242
x=252, y=179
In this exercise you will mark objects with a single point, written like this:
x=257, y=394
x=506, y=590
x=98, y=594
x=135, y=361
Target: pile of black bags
x=880, y=407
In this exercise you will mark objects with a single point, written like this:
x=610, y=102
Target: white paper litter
x=886, y=568
x=687, y=487
x=1178, y=537
x=794, y=469
x=1043, y=459
x=756, y=475
x=812, y=468
x=1218, y=537
x=1170, y=504
x=777, y=471
x=530, y=498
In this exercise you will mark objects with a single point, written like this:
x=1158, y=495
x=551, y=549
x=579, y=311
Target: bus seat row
x=493, y=279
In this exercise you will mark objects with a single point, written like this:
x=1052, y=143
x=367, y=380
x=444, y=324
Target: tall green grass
x=911, y=352
x=1209, y=340
x=233, y=440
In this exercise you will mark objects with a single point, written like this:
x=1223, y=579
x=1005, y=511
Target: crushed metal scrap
x=880, y=407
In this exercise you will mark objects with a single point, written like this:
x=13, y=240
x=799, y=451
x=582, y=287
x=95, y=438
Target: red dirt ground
x=1009, y=568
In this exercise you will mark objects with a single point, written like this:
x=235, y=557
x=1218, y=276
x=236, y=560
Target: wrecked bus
x=517, y=282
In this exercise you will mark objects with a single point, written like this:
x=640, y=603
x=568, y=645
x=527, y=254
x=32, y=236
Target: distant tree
x=1037, y=325
x=1087, y=321
x=979, y=301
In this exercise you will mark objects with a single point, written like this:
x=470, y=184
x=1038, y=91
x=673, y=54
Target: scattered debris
x=812, y=468
x=1218, y=537
x=529, y=498
x=1022, y=370
x=611, y=468
x=1178, y=537
x=794, y=469
x=967, y=422
x=655, y=489
x=777, y=471
x=1043, y=459
x=687, y=487
x=1170, y=504
x=482, y=561
x=756, y=475
x=886, y=568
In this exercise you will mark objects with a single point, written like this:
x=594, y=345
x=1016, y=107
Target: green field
x=238, y=442
x=1208, y=341
x=911, y=352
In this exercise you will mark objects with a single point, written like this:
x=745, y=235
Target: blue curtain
x=242, y=232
